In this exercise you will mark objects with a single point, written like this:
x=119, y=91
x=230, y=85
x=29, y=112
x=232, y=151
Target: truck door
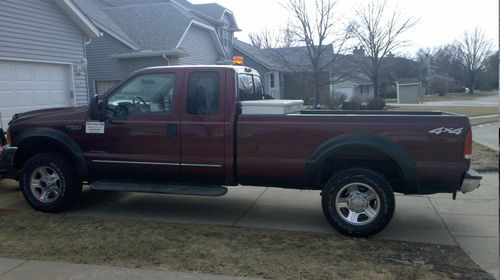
x=140, y=137
x=202, y=125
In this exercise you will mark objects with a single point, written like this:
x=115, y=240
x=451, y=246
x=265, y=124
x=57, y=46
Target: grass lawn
x=484, y=159
x=225, y=250
x=470, y=111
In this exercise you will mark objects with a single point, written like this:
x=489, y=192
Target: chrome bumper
x=472, y=181
x=7, y=160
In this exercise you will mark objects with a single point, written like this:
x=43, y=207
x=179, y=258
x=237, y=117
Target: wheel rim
x=358, y=204
x=45, y=184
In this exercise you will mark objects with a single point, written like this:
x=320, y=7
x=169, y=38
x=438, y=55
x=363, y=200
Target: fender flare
x=55, y=136
x=369, y=141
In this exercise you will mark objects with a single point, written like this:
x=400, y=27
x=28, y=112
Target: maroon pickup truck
x=197, y=130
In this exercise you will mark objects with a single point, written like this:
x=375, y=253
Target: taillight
x=468, y=145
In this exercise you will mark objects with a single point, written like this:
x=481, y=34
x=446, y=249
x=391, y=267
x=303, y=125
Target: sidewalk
x=41, y=270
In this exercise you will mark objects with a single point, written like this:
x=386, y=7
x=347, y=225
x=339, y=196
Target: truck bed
x=280, y=147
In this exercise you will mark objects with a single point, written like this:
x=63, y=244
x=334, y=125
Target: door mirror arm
x=97, y=109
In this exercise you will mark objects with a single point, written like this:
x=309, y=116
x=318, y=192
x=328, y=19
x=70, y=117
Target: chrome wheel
x=357, y=203
x=45, y=184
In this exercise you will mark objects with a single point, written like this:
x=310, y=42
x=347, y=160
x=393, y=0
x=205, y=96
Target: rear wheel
x=358, y=202
x=49, y=183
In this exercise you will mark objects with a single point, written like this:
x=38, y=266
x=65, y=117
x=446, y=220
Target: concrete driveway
x=487, y=135
x=471, y=221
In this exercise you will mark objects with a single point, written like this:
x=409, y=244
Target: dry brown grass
x=484, y=159
x=226, y=250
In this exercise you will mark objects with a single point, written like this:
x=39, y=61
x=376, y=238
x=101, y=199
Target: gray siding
x=199, y=44
x=39, y=30
x=102, y=67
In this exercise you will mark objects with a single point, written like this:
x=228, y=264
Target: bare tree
x=281, y=38
x=379, y=31
x=473, y=51
x=315, y=26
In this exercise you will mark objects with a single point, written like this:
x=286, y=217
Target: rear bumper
x=7, y=161
x=472, y=181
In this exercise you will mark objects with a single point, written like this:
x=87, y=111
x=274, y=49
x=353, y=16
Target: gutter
x=142, y=54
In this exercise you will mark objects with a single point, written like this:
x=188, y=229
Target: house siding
x=38, y=30
x=102, y=67
x=200, y=46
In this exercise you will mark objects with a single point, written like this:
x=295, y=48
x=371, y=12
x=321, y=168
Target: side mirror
x=95, y=109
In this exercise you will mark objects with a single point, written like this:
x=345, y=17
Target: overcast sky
x=441, y=21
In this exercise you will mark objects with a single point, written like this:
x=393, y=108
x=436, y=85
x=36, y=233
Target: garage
x=26, y=86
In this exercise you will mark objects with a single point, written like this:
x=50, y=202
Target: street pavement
x=470, y=222
x=481, y=101
x=487, y=135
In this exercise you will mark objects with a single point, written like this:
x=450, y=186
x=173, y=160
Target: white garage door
x=26, y=86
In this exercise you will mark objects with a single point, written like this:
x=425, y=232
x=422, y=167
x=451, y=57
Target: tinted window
x=203, y=93
x=245, y=87
x=250, y=87
x=144, y=94
x=259, y=89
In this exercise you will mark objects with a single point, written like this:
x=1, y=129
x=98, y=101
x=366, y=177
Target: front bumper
x=472, y=181
x=7, y=160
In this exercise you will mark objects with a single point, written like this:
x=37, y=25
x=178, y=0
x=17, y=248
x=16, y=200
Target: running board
x=154, y=187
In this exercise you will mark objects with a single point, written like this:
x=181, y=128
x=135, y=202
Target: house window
x=227, y=37
x=272, y=80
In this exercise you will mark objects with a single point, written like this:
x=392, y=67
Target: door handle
x=172, y=131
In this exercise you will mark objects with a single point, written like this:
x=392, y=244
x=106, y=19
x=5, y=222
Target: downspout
x=169, y=62
x=86, y=42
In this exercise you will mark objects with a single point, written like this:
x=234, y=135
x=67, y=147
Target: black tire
x=70, y=187
x=386, y=202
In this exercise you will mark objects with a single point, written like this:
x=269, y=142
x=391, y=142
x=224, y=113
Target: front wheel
x=49, y=183
x=358, y=202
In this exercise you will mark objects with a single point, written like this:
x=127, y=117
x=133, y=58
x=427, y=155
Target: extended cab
x=196, y=130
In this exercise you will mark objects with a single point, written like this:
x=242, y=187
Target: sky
x=440, y=21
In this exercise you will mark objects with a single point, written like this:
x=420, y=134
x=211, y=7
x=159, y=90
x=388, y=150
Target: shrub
x=354, y=104
x=337, y=101
x=376, y=104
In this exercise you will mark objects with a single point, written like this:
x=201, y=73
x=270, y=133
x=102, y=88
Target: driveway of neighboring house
x=481, y=101
x=487, y=135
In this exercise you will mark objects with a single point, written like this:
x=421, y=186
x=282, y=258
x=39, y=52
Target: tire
x=358, y=202
x=53, y=174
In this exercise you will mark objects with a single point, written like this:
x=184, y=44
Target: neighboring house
x=271, y=71
x=42, y=55
x=354, y=87
x=287, y=73
x=145, y=33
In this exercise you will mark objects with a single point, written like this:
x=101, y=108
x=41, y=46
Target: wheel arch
x=355, y=142
x=37, y=140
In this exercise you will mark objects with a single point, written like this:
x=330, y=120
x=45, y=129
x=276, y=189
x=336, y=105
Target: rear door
x=202, y=124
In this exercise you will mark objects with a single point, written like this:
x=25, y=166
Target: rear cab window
x=250, y=87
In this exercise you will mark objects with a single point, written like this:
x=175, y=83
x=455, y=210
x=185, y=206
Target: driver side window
x=150, y=93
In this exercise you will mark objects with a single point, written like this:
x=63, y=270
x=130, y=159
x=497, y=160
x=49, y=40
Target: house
x=42, y=55
x=145, y=33
x=287, y=73
x=354, y=86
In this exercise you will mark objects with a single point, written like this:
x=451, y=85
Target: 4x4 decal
x=449, y=130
